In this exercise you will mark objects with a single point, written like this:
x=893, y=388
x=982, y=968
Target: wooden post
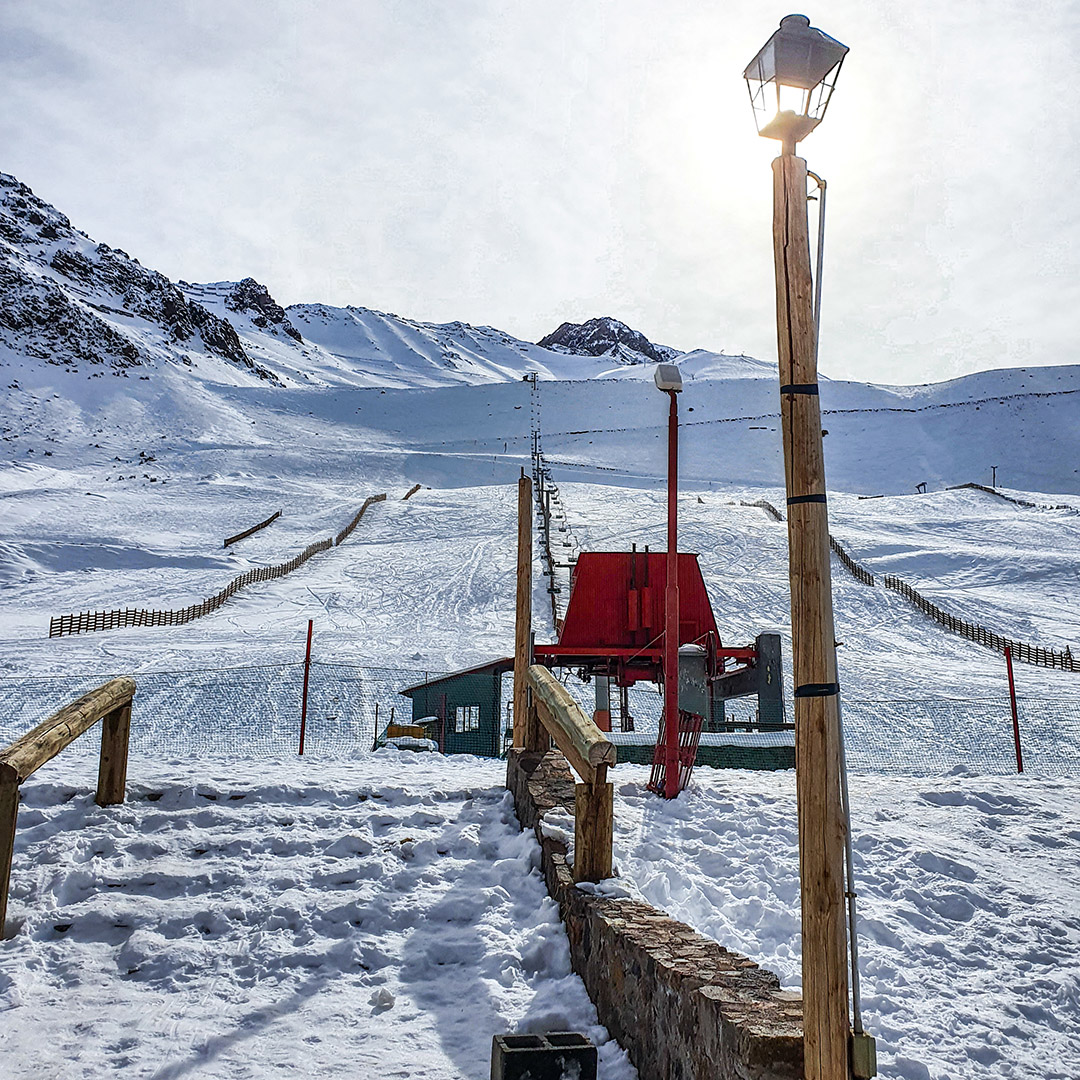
x=112, y=768
x=817, y=746
x=523, y=617
x=303, y=699
x=9, y=809
x=1015, y=715
x=593, y=827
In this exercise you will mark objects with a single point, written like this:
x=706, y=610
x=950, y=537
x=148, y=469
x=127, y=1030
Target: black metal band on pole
x=826, y=689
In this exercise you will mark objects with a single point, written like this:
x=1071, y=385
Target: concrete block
x=553, y=1055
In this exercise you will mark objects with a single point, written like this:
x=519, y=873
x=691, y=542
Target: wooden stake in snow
x=303, y=702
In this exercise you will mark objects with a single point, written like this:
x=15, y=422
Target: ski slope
x=242, y=916
x=428, y=583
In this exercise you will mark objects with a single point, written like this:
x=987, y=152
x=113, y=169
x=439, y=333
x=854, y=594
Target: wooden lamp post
x=790, y=82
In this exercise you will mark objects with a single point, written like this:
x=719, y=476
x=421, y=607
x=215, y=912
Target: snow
x=300, y=925
x=243, y=920
x=969, y=924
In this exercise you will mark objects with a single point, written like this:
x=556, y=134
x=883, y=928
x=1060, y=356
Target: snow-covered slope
x=136, y=436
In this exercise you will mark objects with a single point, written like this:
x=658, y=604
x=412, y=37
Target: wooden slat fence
x=347, y=531
x=412, y=491
x=1029, y=654
x=768, y=508
x=91, y=621
x=856, y=571
x=1014, y=500
x=254, y=529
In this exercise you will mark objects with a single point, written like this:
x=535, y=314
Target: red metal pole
x=307, y=671
x=671, y=612
x=1016, y=719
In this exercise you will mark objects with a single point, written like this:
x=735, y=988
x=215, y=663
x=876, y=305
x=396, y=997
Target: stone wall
x=683, y=1007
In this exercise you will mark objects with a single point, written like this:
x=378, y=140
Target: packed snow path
x=253, y=920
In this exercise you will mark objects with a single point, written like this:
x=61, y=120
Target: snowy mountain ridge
x=194, y=363
x=83, y=306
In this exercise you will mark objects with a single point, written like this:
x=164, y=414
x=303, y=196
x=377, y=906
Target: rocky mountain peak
x=70, y=302
x=606, y=336
x=254, y=298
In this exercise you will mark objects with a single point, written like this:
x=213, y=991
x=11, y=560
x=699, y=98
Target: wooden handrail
x=254, y=529
x=111, y=704
x=584, y=746
x=29, y=752
x=581, y=741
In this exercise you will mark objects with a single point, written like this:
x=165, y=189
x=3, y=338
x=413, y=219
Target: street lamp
x=669, y=380
x=791, y=80
x=790, y=83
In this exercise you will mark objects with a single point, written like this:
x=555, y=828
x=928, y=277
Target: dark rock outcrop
x=60, y=296
x=251, y=296
x=606, y=336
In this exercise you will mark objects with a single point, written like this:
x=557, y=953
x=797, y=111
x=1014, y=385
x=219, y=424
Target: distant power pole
x=993, y=475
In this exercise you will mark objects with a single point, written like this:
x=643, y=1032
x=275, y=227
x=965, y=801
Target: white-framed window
x=467, y=718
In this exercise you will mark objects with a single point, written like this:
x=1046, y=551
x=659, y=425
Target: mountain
x=100, y=355
x=70, y=303
x=610, y=338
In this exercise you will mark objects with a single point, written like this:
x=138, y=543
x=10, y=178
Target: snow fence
x=254, y=711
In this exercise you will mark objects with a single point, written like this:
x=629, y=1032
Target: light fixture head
x=668, y=377
x=791, y=80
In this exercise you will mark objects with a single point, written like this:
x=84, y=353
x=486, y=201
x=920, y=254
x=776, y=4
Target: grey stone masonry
x=682, y=1006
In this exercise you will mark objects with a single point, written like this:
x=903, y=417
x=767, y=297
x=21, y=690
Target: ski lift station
x=610, y=638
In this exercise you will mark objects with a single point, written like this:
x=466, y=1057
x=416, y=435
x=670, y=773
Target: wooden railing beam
x=589, y=753
x=28, y=753
x=110, y=703
x=581, y=741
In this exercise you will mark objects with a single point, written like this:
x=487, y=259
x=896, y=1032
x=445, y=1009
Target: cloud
x=518, y=164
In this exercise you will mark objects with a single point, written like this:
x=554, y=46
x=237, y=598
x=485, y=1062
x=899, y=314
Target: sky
x=520, y=163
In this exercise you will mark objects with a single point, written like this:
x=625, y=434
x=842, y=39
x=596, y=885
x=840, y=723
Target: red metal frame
x=671, y=610
x=689, y=736
x=617, y=603
x=616, y=625
x=578, y=656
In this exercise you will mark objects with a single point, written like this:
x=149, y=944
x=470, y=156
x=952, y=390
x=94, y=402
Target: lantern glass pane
x=772, y=99
x=791, y=79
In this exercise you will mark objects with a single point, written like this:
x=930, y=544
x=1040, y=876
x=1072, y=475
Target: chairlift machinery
x=614, y=627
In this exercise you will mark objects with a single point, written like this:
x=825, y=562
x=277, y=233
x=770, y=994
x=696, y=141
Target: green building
x=462, y=712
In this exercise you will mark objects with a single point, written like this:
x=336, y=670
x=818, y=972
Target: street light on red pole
x=669, y=380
